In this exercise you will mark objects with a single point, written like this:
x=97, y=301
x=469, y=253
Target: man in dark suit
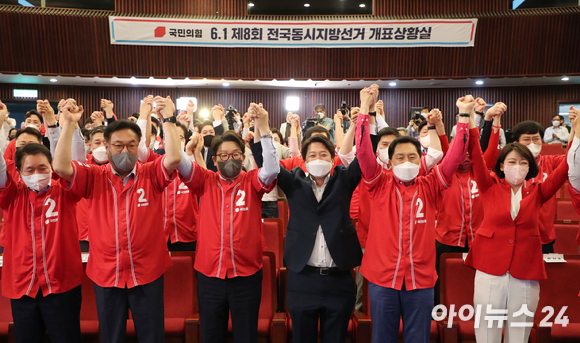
x=321, y=245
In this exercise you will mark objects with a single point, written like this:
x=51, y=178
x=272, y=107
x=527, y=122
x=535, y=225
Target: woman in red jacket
x=507, y=250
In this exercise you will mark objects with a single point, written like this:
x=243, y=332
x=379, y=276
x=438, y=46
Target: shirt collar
x=314, y=182
x=131, y=173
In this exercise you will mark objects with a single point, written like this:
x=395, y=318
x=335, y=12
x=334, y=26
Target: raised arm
x=71, y=114
x=107, y=106
x=573, y=156
x=294, y=139
x=367, y=159
x=380, y=117
x=3, y=174
x=166, y=109
x=494, y=115
x=144, y=124
x=346, y=152
x=338, y=131
x=457, y=150
x=271, y=167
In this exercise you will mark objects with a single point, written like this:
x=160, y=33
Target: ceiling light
x=362, y=5
x=226, y=84
x=292, y=103
x=479, y=82
x=392, y=84
x=565, y=78
x=53, y=80
x=204, y=113
x=250, y=4
x=151, y=78
x=306, y=5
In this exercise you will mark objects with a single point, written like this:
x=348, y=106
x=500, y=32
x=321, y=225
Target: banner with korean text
x=293, y=34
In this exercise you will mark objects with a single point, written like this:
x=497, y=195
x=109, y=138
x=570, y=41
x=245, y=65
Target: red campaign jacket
x=128, y=246
x=230, y=222
x=84, y=213
x=502, y=244
x=41, y=249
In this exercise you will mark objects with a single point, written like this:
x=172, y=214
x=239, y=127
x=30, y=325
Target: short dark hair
x=31, y=149
x=559, y=116
x=184, y=128
x=98, y=129
x=119, y=125
x=317, y=139
x=388, y=131
x=159, y=126
x=33, y=113
x=403, y=140
x=529, y=127
x=89, y=121
x=9, y=131
x=136, y=115
x=153, y=130
x=276, y=132
x=524, y=152
x=421, y=126
x=426, y=108
x=314, y=129
x=29, y=131
x=228, y=136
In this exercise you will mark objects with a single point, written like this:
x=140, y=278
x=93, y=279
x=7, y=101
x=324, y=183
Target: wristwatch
x=479, y=112
x=464, y=115
x=432, y=127
x=269, y=135
x=52, y=126
x=171, y=119
x=373, y=114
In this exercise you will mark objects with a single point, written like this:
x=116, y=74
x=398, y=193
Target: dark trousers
x=146, y=304
x=181, y=246
x=84, y=246
x=217, y=297
x=57, y=314
x=441, y=249
x=313, y=297
x=270, y=209
x=548, y=248
x=388, y=305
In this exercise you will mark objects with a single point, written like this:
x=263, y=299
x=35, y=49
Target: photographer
x=413, y=128
x=320, y=119
x=344, y=110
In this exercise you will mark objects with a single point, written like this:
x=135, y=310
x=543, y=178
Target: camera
x=417, y=118
x=344, y=108
x=231, y=116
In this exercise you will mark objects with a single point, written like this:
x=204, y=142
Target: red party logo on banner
x=160, y=31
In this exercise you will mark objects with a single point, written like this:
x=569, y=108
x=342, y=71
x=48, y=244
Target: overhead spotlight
x=479, y=82
x=204, y=113
x=362, y=5
x=226, y=84
x=250, y=4
x=392, y=84
x=53, y=80
x=306, y=5
x=565, y=78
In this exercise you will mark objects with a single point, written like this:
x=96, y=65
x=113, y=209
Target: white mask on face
x=318, y=168
x=535, y=149
x=515, y=175
x=425, y=141
x=33, y=126
x=406, y=171
x=556, y=123
x=384, y=156
x=37, y=182
x=100, y=154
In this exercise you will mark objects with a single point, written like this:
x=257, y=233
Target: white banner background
x=293, y=34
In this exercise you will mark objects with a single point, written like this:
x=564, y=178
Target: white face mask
x=535, y=149
x=87, y=149
x=37, y=182
x=33, y=126
x=318, y=168
x=406, y=171
x=384, y=156
x=515, y=175
x=100, y=154
x=425, y=141
x=556, y=123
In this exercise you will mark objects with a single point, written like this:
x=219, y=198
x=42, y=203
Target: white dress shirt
x=560, y=131
x=573, y=159
x=515, y=205
x=320, y=256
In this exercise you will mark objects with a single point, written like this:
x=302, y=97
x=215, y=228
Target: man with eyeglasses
x=128, y=254
x=529, y=133
x=229, y=232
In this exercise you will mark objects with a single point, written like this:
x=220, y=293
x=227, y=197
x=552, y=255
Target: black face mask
x=207, y=140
